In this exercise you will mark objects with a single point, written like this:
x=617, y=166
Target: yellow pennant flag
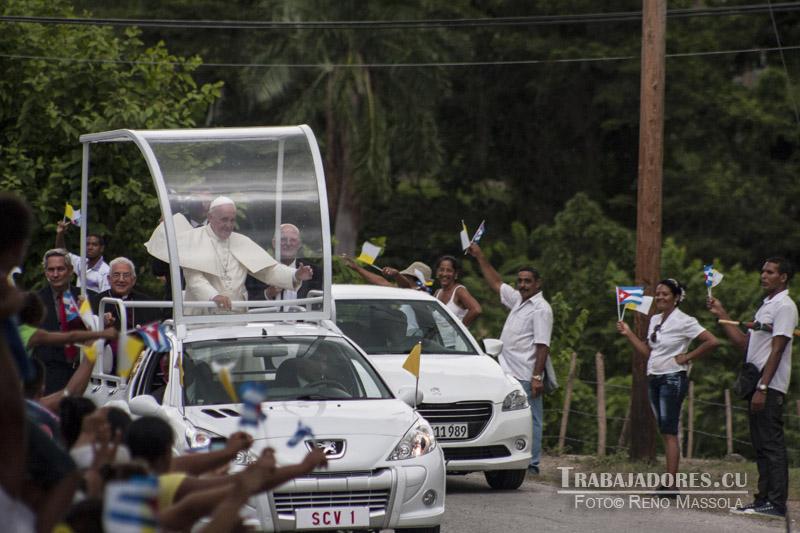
x=132, y=346
x=412, y=361
x=224, y=373
x=86, y=314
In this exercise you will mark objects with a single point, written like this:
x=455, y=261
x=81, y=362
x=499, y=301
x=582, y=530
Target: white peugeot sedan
x=385, y=468
x=479, y=414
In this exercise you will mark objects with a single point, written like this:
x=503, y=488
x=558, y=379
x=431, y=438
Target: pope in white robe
x=216, y=260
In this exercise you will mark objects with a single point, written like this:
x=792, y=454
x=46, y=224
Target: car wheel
x=505, y=479
x=432, y=529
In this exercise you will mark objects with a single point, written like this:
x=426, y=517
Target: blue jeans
x=667, y=392
x=537, y=413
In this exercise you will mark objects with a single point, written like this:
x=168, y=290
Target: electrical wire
x=789, y=87
x=401, y=65
x=583, y=18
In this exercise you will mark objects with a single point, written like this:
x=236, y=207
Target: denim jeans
x=537, y=413
x=766, y=434
x=667, y=392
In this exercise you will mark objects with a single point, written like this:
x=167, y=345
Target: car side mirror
x=493, y=347
x=144, y=405
x=406, y=395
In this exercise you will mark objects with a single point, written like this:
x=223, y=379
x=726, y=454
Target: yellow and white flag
x=223, y=371
x=132, y=347
x=642, y=307
x=464, y=236
x=413, y=360
x=87, y=317
x=72, y=214
x=369, y=253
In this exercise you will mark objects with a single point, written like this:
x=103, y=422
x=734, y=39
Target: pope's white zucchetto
x=220, y=200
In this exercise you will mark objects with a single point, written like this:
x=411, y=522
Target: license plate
x=450, y=431
x=327, y=517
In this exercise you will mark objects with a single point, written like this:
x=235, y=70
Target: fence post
x=601, y=404
x=729, y=421
x=623, y=435
x=690, y=422
x=562, y=435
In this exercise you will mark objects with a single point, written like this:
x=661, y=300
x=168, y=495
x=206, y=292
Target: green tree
x=105, y=81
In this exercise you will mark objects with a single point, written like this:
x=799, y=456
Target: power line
x=401, y=65
x=790, y=89
x=583, y=18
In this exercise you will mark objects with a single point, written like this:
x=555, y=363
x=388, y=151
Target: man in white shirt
x=526, y=338
x=97, y=269
x=770, y=350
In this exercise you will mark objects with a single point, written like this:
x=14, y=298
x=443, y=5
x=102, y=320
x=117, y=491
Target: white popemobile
x=386, y=468
x=478, y=413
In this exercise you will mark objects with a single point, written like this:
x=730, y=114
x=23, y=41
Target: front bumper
x=393, y=492
x=495, y=448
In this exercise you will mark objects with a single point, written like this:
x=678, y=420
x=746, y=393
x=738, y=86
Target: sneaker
x=747, y=509
x=768, y=509
x=665, y=492
x=533, y=469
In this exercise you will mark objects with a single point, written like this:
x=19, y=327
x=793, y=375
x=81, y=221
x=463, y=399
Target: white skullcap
x=220, y=200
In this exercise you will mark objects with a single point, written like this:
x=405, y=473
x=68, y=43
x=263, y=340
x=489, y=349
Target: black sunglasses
x=653, y=337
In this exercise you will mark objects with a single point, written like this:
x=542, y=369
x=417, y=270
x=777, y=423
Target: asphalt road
x=473, y=507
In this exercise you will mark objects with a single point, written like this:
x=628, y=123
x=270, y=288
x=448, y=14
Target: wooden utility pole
x=648, y=215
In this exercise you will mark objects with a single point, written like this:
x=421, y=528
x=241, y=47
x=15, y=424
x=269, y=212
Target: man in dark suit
x=122, y=279
x=59, y=361
x=290, y=245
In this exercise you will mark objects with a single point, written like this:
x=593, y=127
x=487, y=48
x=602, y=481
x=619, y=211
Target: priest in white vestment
x=216, y=260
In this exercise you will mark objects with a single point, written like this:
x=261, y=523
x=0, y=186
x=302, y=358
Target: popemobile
x=232, y=202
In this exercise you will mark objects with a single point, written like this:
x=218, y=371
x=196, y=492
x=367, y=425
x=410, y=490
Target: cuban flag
x=630, y=295
x=71, y=307
x=479, y=232
x=155, y=337
x=713, y=277
x=252, y=396
x=131, y=506
x=300, y=433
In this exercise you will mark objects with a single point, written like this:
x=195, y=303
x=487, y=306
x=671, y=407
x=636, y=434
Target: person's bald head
x=222, y=217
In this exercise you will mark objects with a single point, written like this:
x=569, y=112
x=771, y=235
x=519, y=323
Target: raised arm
x=61, y=230
x=733, y=332
x=489, y=273
x=641, y=347
x=369, y=277
x=200, y=463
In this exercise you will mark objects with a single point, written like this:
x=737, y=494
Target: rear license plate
x=450, y=431
x=328, y=517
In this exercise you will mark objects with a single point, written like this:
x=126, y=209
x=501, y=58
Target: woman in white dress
x=666, y=349
x=454, y=295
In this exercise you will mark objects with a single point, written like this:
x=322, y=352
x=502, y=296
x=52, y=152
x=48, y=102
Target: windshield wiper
x=316, y=397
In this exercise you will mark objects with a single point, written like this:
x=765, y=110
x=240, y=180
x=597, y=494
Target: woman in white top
x=455, y=296
x=668, y=337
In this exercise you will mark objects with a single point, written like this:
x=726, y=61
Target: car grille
x=475, y=414
x=376, y=500
x=472, y=453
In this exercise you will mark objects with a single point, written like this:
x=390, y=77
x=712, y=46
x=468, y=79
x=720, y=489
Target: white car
x=479, y=414
x=385, y=469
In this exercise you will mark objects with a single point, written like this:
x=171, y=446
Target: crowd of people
x=70, y=466
x=71, y=451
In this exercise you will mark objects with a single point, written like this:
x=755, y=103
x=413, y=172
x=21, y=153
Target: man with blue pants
x=526, y=337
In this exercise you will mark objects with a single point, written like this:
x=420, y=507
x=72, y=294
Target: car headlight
x=417, y=441
x=516, y=399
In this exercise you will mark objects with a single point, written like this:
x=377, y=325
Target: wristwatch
x=537, y=377
x=762, y=387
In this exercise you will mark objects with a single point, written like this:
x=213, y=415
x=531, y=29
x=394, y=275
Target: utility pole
x=648, y=215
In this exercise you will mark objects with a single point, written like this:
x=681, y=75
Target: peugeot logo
x=332, y=448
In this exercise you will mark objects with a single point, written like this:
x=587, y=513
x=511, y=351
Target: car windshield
x=395, y=326
x=287, y=368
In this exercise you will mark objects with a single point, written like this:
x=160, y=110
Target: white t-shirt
x=96, y=276
x=529, y=323
x=781, y=312
x=672, y=338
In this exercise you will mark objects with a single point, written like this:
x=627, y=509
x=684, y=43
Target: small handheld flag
x=300, y=433
x=479, y=232
x=464, y=236
x=252, y=396
x=85, y=312
x=72, y=214
x=712, y=277
x=369, y=253
x=643, y=307
x=70, y=306
x=132, y=346
x=628, y=295
x=154, y=336
x=130, y=506
x=91, y=350
x=223, y=371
